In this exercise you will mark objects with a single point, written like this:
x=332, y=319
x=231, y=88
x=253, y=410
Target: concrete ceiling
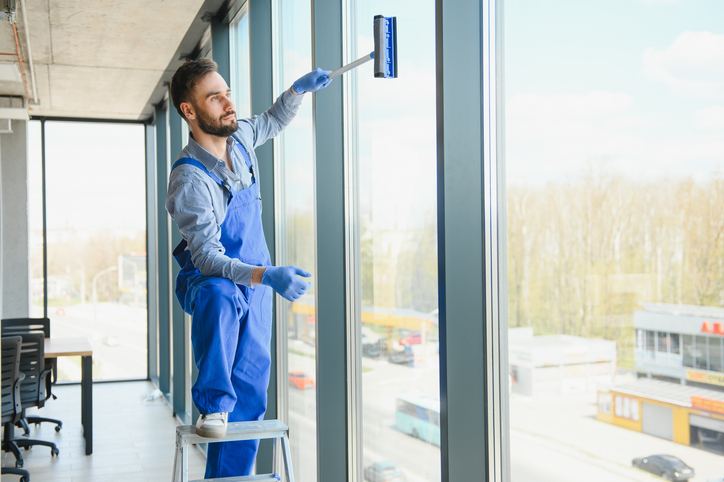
x=96, y=58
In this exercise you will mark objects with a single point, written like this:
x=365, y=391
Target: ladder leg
x=175, y=463
x=287, y=454
x=274, y=457
x=184, y=463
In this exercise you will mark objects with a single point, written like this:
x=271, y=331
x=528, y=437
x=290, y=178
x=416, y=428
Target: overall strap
x=214, y=177
x=244, y=154
x=194, y=162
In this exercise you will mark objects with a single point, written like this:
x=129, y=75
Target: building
x=541, y=365
x=684, y=414
x=680, y=343
x=678, y=394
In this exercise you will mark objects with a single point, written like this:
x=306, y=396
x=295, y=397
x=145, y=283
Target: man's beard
x=215, y=127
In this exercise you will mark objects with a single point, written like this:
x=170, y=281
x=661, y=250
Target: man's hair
x=185, y=79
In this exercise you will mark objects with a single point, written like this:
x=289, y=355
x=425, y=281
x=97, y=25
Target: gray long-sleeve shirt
x=198, y=204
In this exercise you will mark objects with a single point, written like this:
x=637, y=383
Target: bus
x=418, y=414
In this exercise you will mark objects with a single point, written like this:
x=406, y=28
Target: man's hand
x=284, y=280
x=312, y=82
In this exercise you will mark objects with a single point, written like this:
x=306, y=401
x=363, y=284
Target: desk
x=57, y=347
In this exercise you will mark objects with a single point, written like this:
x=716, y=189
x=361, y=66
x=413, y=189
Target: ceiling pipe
x=30, y=53
x=20, y=58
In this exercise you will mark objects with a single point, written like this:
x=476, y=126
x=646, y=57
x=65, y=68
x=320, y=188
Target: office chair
x=33, y=387
x=14, y=326
x=11, y=409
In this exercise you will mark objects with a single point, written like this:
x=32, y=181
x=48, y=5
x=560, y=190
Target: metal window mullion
x=152, y=253
x=352, y=246
x=282, y=307
x=330, y=248
x=260, y=63
x=45, y=219
x=495, y=249
x=162, y=244
x=169, y=259
x=181, y=391
x=471, y=227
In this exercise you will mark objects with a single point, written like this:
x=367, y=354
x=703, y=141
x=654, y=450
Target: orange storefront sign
x=715, y=328
x=707, y=404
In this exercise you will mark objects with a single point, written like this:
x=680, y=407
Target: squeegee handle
x=352, y=65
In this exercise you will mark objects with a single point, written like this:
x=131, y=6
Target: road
x=117, y=333
x=555, y=438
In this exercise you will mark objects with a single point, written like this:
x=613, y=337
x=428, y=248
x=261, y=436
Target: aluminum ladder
x=272, y=429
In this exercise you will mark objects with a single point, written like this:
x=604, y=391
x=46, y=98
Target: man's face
x=213, y=109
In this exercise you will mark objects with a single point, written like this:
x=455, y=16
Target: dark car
x=384, y=472
x=666, y=466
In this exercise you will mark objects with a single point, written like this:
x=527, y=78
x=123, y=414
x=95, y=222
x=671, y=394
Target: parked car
x=401, y=355
x=384, y=472
x=666, y=466
x=414, y=339
x=300, y=380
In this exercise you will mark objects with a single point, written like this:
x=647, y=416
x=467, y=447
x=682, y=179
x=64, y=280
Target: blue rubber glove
x=312, y=82
x=284, y=280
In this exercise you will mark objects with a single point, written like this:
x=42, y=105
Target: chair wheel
x=19, y=464
x=57, y=428
x=23, y=479
x=54, y=451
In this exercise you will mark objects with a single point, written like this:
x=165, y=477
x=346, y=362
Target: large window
x=396, y=157
x=294, y=182
x=614, y=128
x=96, y=242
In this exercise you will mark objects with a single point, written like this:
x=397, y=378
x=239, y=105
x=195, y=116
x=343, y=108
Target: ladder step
x=268, y=477
x=235, y=431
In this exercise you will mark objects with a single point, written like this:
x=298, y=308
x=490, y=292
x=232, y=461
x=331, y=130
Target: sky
x=95, y=176
x=633, y=86
x=629, y=86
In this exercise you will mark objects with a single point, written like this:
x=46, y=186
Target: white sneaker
x=212, y=425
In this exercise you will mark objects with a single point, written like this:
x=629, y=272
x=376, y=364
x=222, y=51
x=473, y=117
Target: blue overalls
x=231, y=328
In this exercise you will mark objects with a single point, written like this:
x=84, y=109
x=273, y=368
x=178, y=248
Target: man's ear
x=188, y=110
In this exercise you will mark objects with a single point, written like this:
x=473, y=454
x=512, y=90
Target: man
x=226, y=279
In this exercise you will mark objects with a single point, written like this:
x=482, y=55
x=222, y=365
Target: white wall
x=14, y=234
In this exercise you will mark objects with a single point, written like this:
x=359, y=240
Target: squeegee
x=385, y=53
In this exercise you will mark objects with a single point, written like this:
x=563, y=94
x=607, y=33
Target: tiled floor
x=134, y=440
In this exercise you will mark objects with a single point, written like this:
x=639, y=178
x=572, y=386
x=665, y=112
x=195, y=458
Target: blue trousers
x=230, y=334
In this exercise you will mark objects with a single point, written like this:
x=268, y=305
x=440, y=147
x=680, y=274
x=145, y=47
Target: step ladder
x=273, y=429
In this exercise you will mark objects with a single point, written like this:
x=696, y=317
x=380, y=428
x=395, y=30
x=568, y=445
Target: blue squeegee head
x=385, y=32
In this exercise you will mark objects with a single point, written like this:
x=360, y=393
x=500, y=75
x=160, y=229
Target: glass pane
x=614, y=128
x=689, y=350
x=296, y=233
x=715, y=354
x=702, y=353
x=674, y=343
x=240, y=71
x=396, y=155
x=650, y=344
x=664, y=342
x=35, y=218
x=96, y=218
